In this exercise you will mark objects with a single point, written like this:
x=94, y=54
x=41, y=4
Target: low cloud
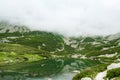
x=69, y=17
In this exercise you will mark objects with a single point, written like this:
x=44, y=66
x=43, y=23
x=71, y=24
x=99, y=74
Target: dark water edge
x=64, y=76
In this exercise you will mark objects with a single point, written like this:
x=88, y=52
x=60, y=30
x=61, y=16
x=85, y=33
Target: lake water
x=65, y=76
x=50, y=69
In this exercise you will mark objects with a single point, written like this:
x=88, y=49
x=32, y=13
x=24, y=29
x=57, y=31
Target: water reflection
x=50, y=69
x=64, y=76
x=11, y=77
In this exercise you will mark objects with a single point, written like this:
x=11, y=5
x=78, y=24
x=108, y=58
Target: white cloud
x=70, y=17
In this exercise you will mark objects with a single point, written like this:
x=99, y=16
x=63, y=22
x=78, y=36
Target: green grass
x=12, y=57
x=34, y=39
x=32, y=57
x=103, y=52
x=20, y=49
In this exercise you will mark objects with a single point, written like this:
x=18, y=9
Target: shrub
x=113, y=73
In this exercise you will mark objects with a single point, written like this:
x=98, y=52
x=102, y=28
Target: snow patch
x=105, y=48
x=75, y=56
x=108, y=55
x=76, y=71
x=67, y=41
x=101, y=75
x=113, y=65
x=83, y=57
x=86, y=78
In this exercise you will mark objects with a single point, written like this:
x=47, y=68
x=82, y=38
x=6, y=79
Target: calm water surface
x=51, y=69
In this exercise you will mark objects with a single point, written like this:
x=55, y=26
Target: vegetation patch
x=113, y=73
x=91, y=72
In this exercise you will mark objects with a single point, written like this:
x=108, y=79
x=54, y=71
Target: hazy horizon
x=68, y=17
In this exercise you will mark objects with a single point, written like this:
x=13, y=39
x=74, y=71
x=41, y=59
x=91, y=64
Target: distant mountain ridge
x=9, y=28
x=114, y=36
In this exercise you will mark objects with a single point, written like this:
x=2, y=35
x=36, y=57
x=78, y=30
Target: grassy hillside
x=38, y=39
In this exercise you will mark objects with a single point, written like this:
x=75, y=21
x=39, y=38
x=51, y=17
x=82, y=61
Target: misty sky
x=70, y=17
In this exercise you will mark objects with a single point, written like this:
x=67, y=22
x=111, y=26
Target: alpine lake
x=46, y=69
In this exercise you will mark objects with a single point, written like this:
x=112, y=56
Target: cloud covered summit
x=69, y=17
